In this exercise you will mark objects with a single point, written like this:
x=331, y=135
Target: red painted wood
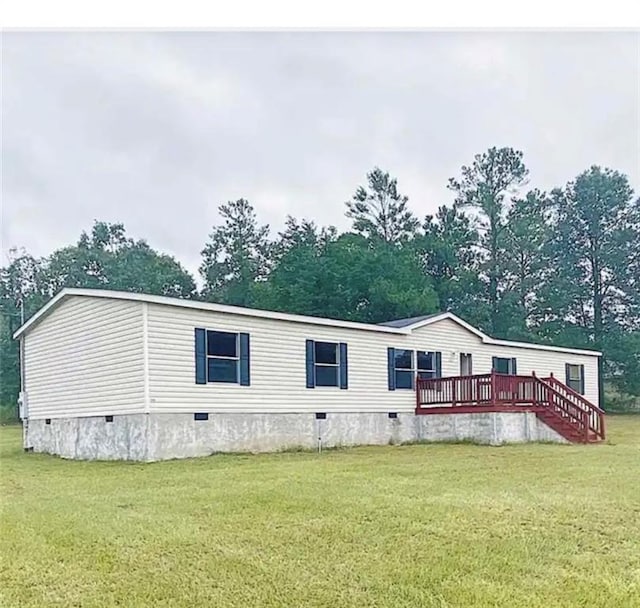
x=566, y=411
x=476, y=409
x=596, y=415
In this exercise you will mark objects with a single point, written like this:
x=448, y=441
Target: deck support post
x=586, y=417
x=534, y=391
x=493, y=386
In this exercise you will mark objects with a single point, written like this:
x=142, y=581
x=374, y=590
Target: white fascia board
x=281, y=316
x=206, y=306
x=489, y=340
x=41, y=313
x=556, y=349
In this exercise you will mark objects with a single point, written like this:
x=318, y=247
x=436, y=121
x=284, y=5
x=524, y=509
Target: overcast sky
x=157, y=129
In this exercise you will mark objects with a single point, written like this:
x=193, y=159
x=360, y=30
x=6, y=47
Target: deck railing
x=456, y=390
x=596, y=415
x=501, y=390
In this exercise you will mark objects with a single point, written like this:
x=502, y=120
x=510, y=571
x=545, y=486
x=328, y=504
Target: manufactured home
x=114, y=375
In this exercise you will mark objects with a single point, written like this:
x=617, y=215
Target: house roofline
x=486, y=339
x=198, y=305
x=282, y=316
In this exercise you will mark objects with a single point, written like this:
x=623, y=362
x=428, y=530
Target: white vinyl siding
x=278, y=364
x=86, y=359
x=452, y=339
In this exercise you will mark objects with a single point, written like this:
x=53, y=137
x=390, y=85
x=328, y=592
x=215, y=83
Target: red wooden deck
x=557, y=405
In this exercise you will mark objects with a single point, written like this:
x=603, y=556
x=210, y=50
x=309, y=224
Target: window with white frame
x=575, y=377
x=426, y=364
x=223, y=356
x=327, y=363
x=405, y=364
x=403, y=367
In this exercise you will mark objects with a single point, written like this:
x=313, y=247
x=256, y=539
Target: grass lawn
x=425, y=525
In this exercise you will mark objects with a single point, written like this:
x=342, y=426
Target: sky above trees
x=157, y=130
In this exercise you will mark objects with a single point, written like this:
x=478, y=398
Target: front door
x=466, y=367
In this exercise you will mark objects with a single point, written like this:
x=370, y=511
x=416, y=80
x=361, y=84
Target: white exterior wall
x=96, y=356
x=278, y=370
x=85, y=359
x=452, y=339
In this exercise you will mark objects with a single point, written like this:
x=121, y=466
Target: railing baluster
x=501, y=389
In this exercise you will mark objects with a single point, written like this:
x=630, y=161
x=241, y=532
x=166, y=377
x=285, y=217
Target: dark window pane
x=222, y=344
x=404, y=379
x=326, y=375
x=574, y=372
x=326, y=352
x=404, y=359
x=503, y=365
x=426, y=360
x=222, y=370
x=431, y=374
x=575, y=385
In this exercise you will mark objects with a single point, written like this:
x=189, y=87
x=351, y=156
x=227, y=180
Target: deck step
x=557, y=405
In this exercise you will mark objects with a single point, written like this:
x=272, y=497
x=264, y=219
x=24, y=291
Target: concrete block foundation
x=151, y=437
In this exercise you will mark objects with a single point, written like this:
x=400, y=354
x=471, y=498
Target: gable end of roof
x=409, y=321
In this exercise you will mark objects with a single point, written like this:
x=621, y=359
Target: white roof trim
x=210, y=306
x=489, y=340
x=448, y=315
x=281, y=316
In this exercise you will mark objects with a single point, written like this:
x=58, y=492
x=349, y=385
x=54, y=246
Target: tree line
x=559, y=267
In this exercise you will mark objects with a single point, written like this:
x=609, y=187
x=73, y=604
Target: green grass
x=425, y=525
x=9, y=414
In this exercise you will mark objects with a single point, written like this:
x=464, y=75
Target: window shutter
x=567, y=377
x=201, y=355
x=438, y=356
x=344, y=383
x=582, y=379
x=245, y=377
x=310, y=364
x=391, y=368
x=494, y=364
x=514, y=367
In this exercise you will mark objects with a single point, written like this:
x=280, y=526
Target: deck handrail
x=505, y=390
x=560, y=406
x=596, y=414
x=574, y=394
x=457, y=390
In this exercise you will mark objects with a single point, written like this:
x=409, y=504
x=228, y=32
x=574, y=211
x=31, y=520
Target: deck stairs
x=561, y=408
